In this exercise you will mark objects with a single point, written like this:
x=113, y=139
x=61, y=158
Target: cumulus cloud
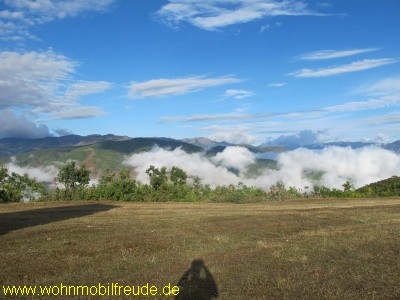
x=214, y=14
x=337, y=165
x=18, y=126
x=176, y=86
x=355, y=66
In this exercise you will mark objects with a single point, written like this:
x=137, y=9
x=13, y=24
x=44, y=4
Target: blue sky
x=243, y=71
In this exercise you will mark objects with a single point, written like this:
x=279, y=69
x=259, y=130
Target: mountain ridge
x=13, y=146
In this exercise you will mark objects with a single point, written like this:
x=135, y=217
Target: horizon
x=243, y=72
x=294, y=141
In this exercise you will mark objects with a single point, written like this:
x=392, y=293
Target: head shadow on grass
x=197, y=283
x=21, y=219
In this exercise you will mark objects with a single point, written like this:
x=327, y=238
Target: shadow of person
x=197, y=283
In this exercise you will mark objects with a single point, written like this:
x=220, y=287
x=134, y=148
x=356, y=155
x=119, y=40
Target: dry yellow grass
x=300, y=249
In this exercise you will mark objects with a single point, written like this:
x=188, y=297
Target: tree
x=177, y=176
x=158, y=177
x=15, y=187
x=348, y=186
x=107, y=177
x=73, y=177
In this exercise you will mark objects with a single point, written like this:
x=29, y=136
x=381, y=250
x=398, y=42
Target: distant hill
x=353, y=145
x=395, y=146
x=213, y=147
x=13, y=146
x=289, y=145
x=382, y=188
x=203, y=142
x=135, y=145
x=95, y=152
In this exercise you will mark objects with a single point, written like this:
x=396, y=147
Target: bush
x=15, y=187
x=172, y=185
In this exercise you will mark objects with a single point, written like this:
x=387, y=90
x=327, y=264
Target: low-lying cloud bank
x=333, y=165
x=336, y=165
x=43, y=174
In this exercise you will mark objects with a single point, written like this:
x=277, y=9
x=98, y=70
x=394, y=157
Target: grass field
x=299, y=249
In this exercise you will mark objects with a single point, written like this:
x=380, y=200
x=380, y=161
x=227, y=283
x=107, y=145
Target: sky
x=241, y=71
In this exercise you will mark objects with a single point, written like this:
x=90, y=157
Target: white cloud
x=384, y=93
x=207, y=117
x=18, y=126
x=238, y=158
x=176, y=86
x=360, y=166
x=42, y=82
x=265, y=28
x=196, y=164
x=30, y=78
x=392, y=118
x=330, y=54
x=11, y=15
x=231, y=134
x=356, y=66
x=277, y=84
x=83, y=88
x=62, y=131
x=238, y=94
x=44, y=174
x=76, y=112
x=214, y=14
x=386, y=86
x=364, y=105
x=21, y=15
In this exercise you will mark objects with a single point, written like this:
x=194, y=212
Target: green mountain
x=136, y=145
x=14, y=146
x=96, y=156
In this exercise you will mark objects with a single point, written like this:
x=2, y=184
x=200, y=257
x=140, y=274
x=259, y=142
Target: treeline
x=166, y=185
